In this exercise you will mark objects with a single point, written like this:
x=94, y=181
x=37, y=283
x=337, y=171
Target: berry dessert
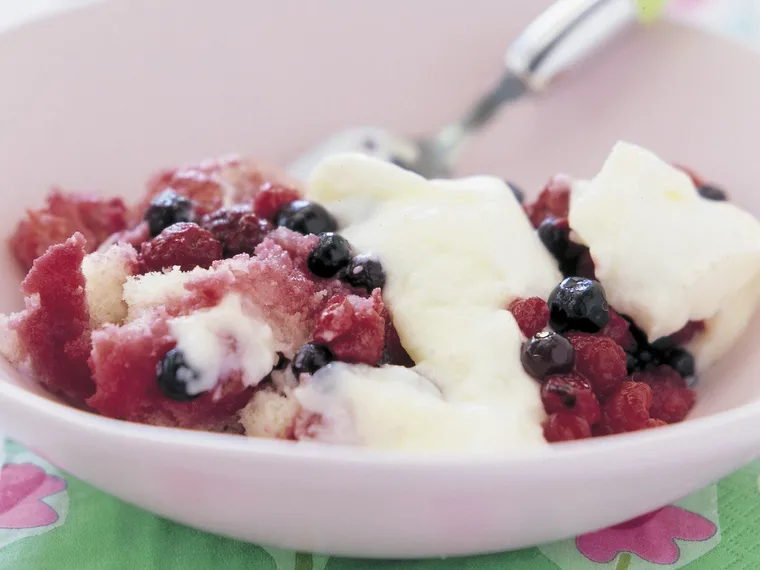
x=375, y=308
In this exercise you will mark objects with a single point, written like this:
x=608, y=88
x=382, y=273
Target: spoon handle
x=562, y=35
x=565, y=33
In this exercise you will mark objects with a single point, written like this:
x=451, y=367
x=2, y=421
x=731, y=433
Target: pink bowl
x=101, y=97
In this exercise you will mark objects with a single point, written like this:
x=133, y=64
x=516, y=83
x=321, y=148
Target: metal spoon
x=563, y=34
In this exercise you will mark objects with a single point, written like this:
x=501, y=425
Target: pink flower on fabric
x=22, y=490
x=650, y=536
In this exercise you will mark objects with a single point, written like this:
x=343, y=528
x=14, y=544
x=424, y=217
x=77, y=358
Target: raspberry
x=687, y=333
x=353, y=328
x=565, y=427
x=65, y=214
x=671, y=398
x=271, y=198
x=618, y=329
x=695, y=178
x=336, y=319
x=100, y=216
x=532, y=314
x=627, y=409
x=238, y=229
x=600, y=360
x=571, y=394
x=185, y=245
x=554, y=200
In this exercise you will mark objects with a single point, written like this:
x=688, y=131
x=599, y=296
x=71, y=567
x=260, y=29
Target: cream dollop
x=222, y=339
x=664, y=254
x=455, y=253
x=392, y=407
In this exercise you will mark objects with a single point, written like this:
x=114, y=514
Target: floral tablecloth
x=49, y=520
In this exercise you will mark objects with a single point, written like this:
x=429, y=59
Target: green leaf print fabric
x=50, y=520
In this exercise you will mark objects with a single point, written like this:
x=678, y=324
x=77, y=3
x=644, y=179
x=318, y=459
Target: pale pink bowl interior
x=72, y=117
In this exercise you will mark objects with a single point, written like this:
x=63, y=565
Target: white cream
x=455, y=253
x=223, y=339
x=396, y=408
x=664, y=254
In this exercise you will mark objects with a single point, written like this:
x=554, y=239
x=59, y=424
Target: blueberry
x=631, y=363
x=167, y=209
x=578, y=304
x=642, y=354
x=364, y=272
x=680, y=360
x=640, y=340
x=517, y=191
x=710, y=192
x=662, y=344
x=310, y=358
x=174, y=374
x=555, y=235
x=547, y=353
x=648, y=357
x=332, y=253
x=306, y=218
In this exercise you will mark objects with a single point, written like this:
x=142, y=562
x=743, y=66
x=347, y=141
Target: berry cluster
x=599, y=373
x=350, y=328
x=588, y=386
x=548, y=214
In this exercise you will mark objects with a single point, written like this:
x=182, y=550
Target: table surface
x=51, y=521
